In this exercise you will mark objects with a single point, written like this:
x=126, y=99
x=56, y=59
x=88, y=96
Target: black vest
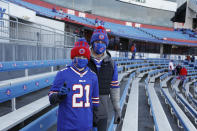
x=104, y=75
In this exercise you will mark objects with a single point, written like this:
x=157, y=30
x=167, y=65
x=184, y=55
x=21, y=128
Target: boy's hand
x=63, y=92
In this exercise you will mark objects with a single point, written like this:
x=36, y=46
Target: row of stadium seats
x=10, y=89
x=36, y=123
x=163, y=124
x=124, y=68
x=168, y=34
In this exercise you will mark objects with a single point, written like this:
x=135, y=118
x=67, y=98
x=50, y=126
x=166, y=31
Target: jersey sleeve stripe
x=95, y=98
x=114, y=84
x=114, y=81
x=95, y=102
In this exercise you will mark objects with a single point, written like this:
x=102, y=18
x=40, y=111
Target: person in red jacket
x=183, y=73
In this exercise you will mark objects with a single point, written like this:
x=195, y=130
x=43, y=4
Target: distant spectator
x=61, y=12
x=179, y=57
x=188, y=58
x=171, y=67
x=76, y=32
x=178, y=69
x=183, y=73
x=96, y=22
x=54, y=10
x=102, y=23
x=164, y=56
x=133, y=50
x=65, y=18
x=81, y=33
x=193, y=59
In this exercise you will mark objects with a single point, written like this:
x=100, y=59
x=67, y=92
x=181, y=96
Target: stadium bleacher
x=137, y=68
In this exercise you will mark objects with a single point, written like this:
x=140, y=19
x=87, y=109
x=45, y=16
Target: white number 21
x=76, y=96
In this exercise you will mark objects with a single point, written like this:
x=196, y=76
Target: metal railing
x=17, y=32
x=14, y=30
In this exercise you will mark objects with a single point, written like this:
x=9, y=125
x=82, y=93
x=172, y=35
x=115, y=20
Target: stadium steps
x=131, y=115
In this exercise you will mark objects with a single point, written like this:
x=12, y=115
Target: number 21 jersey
x=75, y=111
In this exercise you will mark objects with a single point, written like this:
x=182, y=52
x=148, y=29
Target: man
x=178, y=69
x=171, y=67
x=76, y=90
x=183, y=73
x=133, y=50
x=105, y=68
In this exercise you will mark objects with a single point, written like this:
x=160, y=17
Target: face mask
x=80, y=62
x=99, y=48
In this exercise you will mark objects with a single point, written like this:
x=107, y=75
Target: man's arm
x=115, y=95
x=95, y=94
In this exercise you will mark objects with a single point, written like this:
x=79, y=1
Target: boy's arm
x=58, y=90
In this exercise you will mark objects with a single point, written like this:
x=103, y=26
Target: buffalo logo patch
x=101, y=37
x=81, y=51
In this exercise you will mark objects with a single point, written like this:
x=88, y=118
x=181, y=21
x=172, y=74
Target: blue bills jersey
x=75, y=111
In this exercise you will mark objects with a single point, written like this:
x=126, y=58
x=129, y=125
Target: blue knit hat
x=100, y=34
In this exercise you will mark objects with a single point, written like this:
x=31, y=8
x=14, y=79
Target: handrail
x=19, y=65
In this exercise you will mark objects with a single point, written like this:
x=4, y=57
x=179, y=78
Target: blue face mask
x=80, y=62
x=99, y=48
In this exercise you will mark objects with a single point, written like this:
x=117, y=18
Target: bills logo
x=37, y=83
x=24, y=87
x=81, y=51
x=8, y=92
x=1, y=65
x=101, y=37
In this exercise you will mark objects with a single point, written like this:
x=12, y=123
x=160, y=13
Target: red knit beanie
x=81, y=48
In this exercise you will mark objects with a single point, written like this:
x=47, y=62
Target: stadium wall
x=21, y=12
x=50, y=23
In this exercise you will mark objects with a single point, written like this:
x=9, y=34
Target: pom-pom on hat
x=100, y=34
x=81, y=48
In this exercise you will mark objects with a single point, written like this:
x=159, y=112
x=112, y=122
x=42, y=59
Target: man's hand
x=117, y=117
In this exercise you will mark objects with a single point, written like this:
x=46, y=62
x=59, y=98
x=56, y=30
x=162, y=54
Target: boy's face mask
x=99, y=48
x=80, y=62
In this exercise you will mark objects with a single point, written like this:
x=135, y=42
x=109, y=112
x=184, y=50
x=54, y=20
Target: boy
x=76, y=90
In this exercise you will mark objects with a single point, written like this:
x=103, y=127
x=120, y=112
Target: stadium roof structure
x=180, y=14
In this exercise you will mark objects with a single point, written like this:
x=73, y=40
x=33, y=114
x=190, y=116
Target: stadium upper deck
x=117, y=27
